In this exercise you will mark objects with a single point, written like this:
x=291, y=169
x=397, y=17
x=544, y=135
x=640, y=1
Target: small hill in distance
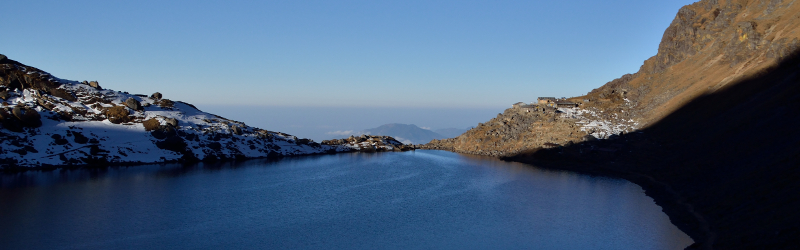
x=410, y=133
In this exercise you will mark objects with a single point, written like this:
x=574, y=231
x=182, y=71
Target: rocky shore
x=528, y=127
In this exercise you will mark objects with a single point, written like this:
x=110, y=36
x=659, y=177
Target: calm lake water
x=410, y=200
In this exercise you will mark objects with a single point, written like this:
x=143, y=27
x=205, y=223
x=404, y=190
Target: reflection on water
x=423, y=199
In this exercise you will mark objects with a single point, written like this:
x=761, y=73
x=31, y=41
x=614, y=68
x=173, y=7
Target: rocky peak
x=708, y=45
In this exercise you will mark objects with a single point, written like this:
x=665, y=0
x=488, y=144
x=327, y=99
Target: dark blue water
x=410, y=200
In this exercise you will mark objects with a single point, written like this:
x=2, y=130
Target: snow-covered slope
x=595, y=123
x=51, y=121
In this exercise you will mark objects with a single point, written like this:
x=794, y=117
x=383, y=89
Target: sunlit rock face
x=709, y=46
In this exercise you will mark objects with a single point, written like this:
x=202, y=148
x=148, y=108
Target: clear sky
x=480, y=54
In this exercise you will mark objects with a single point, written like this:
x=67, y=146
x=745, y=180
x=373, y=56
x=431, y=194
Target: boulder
x=32, y=118
x=95, y=84
x=236, y=130
x=171, y=122
x=4, y=94
x=156, y=96
x=117, y=114
x=151, y=124
x=28, y=116
x=165, y=103
x=63, y=94
x=163, y=132
x=133, y=104
x=43, y=102
x=79, y=138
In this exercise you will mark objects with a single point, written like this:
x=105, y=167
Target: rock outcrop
x=93, y=84
x=51, y=122
x=522, y=128
x=369, y=143
x=133, y=104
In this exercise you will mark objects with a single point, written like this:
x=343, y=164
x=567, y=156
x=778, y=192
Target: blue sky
x=479, y=54
x=310, y=68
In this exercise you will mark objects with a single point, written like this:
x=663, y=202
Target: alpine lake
x=422, y=199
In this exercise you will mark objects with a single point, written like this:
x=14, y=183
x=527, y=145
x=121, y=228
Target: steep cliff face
x=724, y=166
x=715, y=113
x=709, y=45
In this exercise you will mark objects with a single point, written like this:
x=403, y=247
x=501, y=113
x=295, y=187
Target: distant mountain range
x=410, y=133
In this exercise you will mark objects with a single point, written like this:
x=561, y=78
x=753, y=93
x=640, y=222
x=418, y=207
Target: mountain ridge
x=723, y=167
x=51, y=122
x=707, y=126
x=709, y=45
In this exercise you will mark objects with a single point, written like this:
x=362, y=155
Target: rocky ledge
x=522, y=128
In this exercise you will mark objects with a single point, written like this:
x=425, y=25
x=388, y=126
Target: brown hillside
x=707, y=46
x=724, y=167
x=716, y=114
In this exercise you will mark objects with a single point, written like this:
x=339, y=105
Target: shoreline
x=671, y=203
x=681, y=213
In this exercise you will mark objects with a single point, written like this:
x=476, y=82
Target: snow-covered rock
x=83, y=124
x=369, y=143
x=598, y=125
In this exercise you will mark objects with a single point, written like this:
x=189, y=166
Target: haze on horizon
x=345, y=55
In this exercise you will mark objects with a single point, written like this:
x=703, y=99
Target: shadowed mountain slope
x=724, y=166
x=708, y=126
x=709, y=45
